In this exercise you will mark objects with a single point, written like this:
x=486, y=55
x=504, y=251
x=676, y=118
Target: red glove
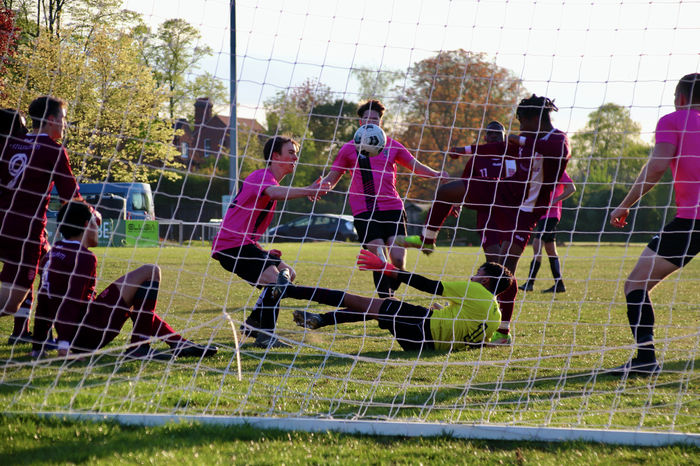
x=370, y=261
x=275, y=252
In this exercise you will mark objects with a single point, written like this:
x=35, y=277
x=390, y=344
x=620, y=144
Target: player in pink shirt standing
x=375, y=203
x=545, y=232
x=236, y=245
x=678, y=146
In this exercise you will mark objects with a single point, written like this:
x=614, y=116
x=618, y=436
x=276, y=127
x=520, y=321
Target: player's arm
x=569, y=190
x=280, y=193
x=650, y=174
x=425, y=171
x=332, y=178
x=370, y=261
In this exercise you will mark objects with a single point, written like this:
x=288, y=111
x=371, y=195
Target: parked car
x=314, y=227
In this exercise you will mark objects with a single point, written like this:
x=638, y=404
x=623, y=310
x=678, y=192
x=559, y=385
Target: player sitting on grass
x=468, y=321
x=86, y=323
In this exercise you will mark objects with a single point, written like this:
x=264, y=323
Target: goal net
x=148, y=111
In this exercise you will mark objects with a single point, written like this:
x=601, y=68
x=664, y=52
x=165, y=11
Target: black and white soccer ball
x=369, y=140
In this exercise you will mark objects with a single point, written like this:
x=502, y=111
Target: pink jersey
x=249, y=214
x=67, y=286
x=373, y=184
x=555, y=210
x=29, y=167
x=682, y=129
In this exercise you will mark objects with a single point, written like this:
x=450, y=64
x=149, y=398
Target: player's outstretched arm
x=369, y=261
x=280, y=193
x=650, y=174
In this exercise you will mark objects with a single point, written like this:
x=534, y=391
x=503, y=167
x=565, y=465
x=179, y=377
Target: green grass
x=548, y=378
x=28, y=440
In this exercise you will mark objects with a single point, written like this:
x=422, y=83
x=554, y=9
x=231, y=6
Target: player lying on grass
x=236, y=245
x=469, y=320
x=86, y=323
x=542, y=153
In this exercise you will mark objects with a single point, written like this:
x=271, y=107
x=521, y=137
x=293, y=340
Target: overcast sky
x=582, y=53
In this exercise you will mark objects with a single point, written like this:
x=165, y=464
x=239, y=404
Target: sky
x=581, y=53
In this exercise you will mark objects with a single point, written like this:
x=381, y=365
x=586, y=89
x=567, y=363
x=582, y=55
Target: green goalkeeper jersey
x=471, y=318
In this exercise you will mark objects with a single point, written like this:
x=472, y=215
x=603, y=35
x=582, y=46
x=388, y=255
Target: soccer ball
x=369, y=140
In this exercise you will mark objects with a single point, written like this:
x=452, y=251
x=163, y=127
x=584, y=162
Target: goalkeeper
x=468, y=321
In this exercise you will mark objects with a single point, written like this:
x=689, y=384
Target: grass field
x=549, y=377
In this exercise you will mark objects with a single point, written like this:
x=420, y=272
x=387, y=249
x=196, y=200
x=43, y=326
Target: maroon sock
x=147, y=323
x=506, y=302
x=438, y=213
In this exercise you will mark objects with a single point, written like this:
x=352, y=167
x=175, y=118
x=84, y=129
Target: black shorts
x=410, y=324
x=546, y=229
x=678, y=242
x=380, y=224
x=248, y=261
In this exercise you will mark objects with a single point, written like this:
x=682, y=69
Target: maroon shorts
x=103, y=320
x=21, y=260
x=511, y=225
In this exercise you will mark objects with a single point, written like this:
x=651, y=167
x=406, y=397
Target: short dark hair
x=536, y=106
x=689, y=86
x=274, y=144
x=373, y=104
x=11, y=123
x=500, y=278
x=43, y=107
x=496, y=127
x=72, y=218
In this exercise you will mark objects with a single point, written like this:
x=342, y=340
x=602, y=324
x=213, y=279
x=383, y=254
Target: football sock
x=342, y=316
x=640, y=314
x=383, y=284
x=437, y=215
x=320, y=295
x=146, y=322
x=506, y=302
x=556, y=269
x=268, y=311
x=21, y=317
x=534, y=268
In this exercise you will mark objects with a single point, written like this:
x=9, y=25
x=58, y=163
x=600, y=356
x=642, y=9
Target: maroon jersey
x=29, y=168
x=67, y=286
x=493, y=167
x=540, y=164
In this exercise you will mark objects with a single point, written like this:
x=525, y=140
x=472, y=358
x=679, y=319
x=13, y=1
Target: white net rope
x=444, y=69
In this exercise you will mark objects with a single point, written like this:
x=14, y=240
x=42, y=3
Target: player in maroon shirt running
x=85, y=322
x=29, y=169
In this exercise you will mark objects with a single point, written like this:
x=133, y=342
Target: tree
x=116, y=132
x=9, y=35
x=449, y=98
x=174, y=53
x=609, y=148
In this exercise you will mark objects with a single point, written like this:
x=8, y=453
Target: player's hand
x=321, y=189
x=514, y=139
x=455, y=211
x=618, y=217
x=370, y=261
x=456, y=152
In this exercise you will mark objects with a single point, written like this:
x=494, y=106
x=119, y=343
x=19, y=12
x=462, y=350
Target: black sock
x=556, y=269
x=383, y=284
x=326, y=296
x=534, y=268
x=640, y=314
x=342, y=316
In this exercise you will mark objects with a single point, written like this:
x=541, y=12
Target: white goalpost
x=158, y=123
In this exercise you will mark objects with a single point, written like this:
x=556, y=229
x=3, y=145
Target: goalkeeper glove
x=369, y=261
